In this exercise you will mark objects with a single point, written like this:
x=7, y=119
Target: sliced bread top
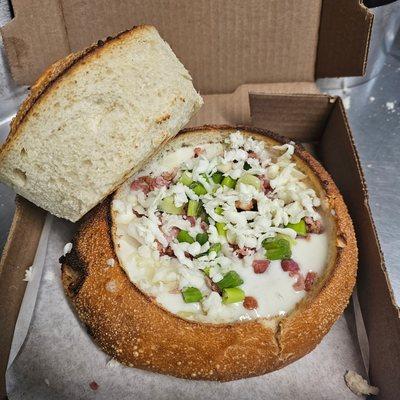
x=92, y=119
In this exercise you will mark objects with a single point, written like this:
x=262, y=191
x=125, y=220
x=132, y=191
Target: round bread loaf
x=131, y=326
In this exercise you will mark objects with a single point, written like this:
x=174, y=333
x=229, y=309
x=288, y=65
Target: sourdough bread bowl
x=263, y=299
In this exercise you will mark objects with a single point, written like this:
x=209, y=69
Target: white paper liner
x=58, y=360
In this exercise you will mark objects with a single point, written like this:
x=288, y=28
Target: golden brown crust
x=45, y=82
x=131, y=327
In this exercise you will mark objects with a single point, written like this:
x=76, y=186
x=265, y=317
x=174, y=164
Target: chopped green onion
x=277, y=248
x=231, y=279
x=206, y=270
x=229, y=182
x=246, y=166
x=198, y=188
x=191, y=295
x=184, y=237
x=300, y=227
x=251, y=180
x=219, y=210
x=202, y=238
x=232, y=295
x=215, y=247
x=167, y=205
x=186, y=178
x=221, y=228
x=288, y=238
x=217, y=177
x=193, y=208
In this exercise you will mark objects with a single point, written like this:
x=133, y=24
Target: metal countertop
x=373, y=106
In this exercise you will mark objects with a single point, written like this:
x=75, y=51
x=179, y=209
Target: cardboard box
x=254, y=61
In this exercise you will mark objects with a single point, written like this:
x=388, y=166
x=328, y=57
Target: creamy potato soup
x=222, y=232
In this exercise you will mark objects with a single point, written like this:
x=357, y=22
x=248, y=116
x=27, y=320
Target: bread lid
x=93, y=117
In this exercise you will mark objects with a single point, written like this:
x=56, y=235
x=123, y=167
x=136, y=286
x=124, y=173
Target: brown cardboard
x=222, y=43
x=285, y=44
x=345, y=27
x=19, y=252
x=380, y=313
x=338, y=154
x=234, y=107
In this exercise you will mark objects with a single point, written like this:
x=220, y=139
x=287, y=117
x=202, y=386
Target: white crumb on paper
x=346, y=102
x=112, y=363
x=110, y=262
x=29, y=274
x=358, y=385
x=390, y=105
x=369, y=165
x=67, y=248
x=47, y=382
x=372, y=99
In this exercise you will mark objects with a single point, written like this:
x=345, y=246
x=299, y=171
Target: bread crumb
x=390, y=105
x=110, y=262
x=112, y=363
x=358, y=385
x=28, y=274
x=372, y=99
x=47, y=382
x=67, y=249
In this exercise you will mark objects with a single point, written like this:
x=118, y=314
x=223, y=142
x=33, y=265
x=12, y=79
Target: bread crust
x=132, y=328
x=46, y=80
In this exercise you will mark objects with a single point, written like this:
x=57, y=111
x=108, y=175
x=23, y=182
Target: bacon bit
x=204, y=226
x=212, y=285
x=159, y=182
x=240, y=253
x=309, y=281
x=137, y=213
x=142, y=184
x=165, y=251
x=252, y=154
x=146, y=183
x=266, y=186
x=94, y=385
x=197, y=151
x=313, y=226
x=170, y=175
x=245, y=206
x=192, y=221
x=300, y=284
x=290, y=266
x=260, y=266
x=250, y=303
x=173, y=233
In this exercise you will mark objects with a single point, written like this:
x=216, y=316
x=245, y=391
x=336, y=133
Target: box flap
x=344, y=37
x=380, y=313
x=223, y=43
x=233, y=108
x=18, y=255
x=305, y=114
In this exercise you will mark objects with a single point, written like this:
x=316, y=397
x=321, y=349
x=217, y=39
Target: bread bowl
x=157, y=323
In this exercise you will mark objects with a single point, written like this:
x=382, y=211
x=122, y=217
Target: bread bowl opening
x=224, y=227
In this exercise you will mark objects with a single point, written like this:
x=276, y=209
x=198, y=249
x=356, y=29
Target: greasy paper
x=59, y=360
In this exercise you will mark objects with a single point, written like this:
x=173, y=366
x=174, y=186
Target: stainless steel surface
x=373, y=105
